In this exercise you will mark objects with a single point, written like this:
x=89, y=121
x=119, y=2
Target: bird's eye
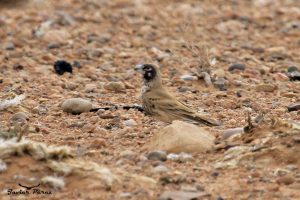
x=147, y=69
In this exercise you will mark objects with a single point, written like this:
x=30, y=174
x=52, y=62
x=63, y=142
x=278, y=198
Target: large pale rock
x=182, y=137
x=76, y=105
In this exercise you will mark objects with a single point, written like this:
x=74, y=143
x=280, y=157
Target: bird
x=161, y=104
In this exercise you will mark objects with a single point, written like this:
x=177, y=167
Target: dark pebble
x=294, y=76
x=62, y=66
x=214, y=174
x=53, y=46
x=236, y=66
x=157, y=155
x=294, y=107
x=220, y=84
x=183, y=89
x=18, y=67
x=239, y=94
x=219, y=198
x=76, y=64
x=292, y=69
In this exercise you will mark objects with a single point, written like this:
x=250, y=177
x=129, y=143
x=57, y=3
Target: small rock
x=233, y=131
x=94, y=53
x=9, y=46
x=19, y=117
x=294, y=76
x=41, y=110
x=65, y=19
x=77, y=64
x=126, y=195
x=230, y=27
x=185, y=157
x=292, y=69
x=219, y=198
x=160, y=169
x=128, y=154
x=98, y=143
x=182, y=195
x=90, y=88
x=53, y=45
x=188, y=77
x=266, y=88
x=103, y=38
x=289, y=94
x=56, y=36
x=219, y=73
x=130, y=122
x=173, y=156
x=182, y=137
x=3, y=166
x=62, y=66
x=286, y=180
x=237, y=66
x=220, y=84
x=76, y=105
x=115, y=86
x=294, y=107
x=157, y=155
x=18, y=67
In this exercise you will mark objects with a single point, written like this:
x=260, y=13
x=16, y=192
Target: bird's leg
x=134, y=106
x=126, y=107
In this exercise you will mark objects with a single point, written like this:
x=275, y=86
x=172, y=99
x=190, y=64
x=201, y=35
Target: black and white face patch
x=149, y=72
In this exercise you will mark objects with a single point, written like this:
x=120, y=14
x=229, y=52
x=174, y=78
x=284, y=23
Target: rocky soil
x=237, y=61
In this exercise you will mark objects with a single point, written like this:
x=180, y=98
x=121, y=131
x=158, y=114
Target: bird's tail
x=203, y=119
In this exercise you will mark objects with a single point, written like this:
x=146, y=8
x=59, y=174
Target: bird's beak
x=139, y=68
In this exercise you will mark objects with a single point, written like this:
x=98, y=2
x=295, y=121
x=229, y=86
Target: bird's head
x=150, y=72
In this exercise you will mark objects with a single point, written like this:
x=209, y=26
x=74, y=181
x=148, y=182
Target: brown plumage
x=158, y=102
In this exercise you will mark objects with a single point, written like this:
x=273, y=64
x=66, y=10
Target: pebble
x=41, y=110
x=98, y=143
x=294, y=76
x=286, y=179
x=62, y=66
x=3, y=166
x=160, y=169
x=173, y=157
x=53, y=45
x=128, y=154
x=76, y=105
x=188, y=77
x=289, y=94
x=56, y=36
x=266, y=88
x=19, y=117
x=157, y=155
x=294, y=107
x=237, y=66
x=220, y=84
x=130, y=122
x=90, y=88
x=103, y=38
x=126, y=195
x=292, y=69
x=77, y=64
x=233, y=131
x=185, y=157
x=115, y=86
x=9, y=46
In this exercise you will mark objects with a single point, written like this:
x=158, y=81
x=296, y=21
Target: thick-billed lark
x=158, y=102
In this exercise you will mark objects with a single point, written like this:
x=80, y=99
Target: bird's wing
x=165, y=104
